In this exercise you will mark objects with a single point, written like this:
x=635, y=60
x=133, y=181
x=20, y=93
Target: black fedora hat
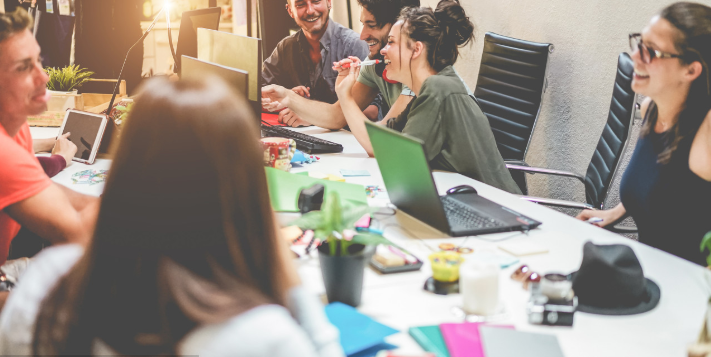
x=610, y=281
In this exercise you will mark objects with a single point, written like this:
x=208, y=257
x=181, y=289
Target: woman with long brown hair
x=667, y=186
x=186, y=257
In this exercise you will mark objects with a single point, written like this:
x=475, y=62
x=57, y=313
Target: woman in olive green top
x=422, y=47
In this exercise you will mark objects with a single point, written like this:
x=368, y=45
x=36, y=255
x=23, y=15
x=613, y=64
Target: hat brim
x=653, y=292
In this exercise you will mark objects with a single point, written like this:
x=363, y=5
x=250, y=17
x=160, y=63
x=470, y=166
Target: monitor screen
x=190, y=22
x=235, y=51
x=193, y=67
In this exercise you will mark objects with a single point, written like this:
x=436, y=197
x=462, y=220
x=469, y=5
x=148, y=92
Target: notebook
x=430, y=339
x=463, y=339
x=358, y=332
x=497, y=343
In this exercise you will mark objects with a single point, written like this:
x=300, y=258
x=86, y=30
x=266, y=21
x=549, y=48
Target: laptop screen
x=407, y=175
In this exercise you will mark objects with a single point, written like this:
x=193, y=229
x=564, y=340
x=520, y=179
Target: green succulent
x=706, y=243
x=68, y=78
x=333, y=219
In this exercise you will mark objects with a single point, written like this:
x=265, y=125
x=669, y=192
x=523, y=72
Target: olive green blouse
x=455, y=131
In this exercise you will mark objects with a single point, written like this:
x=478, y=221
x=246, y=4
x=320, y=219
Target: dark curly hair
x=442, y=31
x=693, y=41
x=14, y=22
x=387, y=11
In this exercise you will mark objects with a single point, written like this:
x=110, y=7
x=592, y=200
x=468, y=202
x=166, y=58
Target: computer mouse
x=461, y=189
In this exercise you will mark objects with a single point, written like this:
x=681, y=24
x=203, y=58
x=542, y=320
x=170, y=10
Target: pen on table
x=595, y=220
x=365, y=63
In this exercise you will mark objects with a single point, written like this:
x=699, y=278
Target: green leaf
x=311, y=220
x=370, y=239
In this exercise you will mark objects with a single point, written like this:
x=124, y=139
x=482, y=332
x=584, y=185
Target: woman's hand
x=343, y=72
x=610, y=216
x=344, y=87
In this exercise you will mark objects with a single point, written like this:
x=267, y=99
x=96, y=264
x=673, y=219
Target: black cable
x=118, y=81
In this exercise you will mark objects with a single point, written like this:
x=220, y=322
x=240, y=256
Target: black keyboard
x=306, y=143
x=461, y=215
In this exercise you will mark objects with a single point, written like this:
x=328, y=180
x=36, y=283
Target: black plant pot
x=343, y=275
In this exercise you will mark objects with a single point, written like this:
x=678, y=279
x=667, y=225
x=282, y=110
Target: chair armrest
x=620, y=229
x=540, y=170
x=516, y=162
x=556, y=203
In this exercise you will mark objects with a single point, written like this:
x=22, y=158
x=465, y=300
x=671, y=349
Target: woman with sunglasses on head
x=667, y=186
x=422, y=47
x=186, y=258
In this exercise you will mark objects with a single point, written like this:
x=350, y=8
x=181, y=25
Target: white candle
x=479, y=286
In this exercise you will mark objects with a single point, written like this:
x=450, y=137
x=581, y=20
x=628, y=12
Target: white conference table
x=398, y=300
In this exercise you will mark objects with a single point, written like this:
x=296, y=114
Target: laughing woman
x=667, y=186
x=422, y=47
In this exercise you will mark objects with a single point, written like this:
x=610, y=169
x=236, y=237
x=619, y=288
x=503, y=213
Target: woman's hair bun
x=454, y=22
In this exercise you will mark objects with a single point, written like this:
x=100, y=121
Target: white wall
x=588, y=36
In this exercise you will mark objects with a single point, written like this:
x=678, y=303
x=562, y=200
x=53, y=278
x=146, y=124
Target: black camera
x=544, y=311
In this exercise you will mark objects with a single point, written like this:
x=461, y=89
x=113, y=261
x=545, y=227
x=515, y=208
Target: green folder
x=284, y=189
x=430, y=339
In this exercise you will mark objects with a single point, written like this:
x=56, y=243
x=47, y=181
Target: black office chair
x=509, y=89
x=609, y=150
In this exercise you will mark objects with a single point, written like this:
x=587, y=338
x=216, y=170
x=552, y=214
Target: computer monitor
x=235, y=51
x=187, y=38
x=237, y=78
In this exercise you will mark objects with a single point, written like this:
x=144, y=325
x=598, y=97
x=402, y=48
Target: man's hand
x=65, y=148
x=302, y=91
x=290, y=118
x=343, y=89
x=275, y=97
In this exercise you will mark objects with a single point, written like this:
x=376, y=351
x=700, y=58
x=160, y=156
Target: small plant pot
x=61, y=101
x=343, y=275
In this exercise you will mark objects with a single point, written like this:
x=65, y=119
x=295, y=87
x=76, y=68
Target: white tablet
x=87, y=130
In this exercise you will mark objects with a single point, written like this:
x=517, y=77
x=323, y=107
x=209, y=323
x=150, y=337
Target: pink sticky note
x=463, y=339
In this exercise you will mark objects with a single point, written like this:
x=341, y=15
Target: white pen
x=366, y=63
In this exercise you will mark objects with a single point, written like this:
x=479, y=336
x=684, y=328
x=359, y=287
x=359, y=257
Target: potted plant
x=702, y=347
x=343, y=252
x=63, y=83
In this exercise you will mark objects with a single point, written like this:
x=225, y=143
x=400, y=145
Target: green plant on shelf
x=67, y=79
x=335, y=224
x=706, y=244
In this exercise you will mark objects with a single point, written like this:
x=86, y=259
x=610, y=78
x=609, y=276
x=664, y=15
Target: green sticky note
x=284, y=189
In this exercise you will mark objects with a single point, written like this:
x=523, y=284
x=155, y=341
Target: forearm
x=79, y=201
x=321, y=114
x=52, y=165
x=356, y=122
x=618, y=213
x=43, y=145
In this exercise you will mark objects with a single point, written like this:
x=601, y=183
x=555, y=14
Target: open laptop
x=411, y=188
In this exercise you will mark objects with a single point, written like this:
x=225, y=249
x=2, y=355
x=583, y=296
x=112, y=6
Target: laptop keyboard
x=462, y=216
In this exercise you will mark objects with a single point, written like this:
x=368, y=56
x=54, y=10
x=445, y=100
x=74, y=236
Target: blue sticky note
x=358, y=332
x=352, y=173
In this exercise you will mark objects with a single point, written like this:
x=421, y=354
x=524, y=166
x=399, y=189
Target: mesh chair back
x=509, y=89
x=614, y=136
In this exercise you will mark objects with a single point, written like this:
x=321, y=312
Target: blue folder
x=358, y=332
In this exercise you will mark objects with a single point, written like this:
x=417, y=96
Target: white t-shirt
x=267, y=330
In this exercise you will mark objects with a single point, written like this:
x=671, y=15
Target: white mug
x=479, y=286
